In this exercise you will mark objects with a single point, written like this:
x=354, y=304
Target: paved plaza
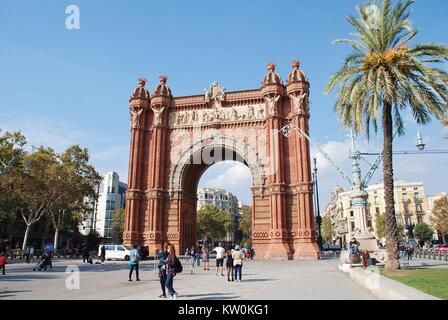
x=262, y=280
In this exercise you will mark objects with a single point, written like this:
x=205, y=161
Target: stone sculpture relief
x=251, y=112
x=135, y=118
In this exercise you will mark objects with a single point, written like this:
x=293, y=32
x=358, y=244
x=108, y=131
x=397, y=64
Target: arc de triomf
x=175, y=139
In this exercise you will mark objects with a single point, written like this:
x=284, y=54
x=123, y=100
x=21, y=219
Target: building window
x=352, y=226
x=405, y=197
x=377, y=210
x=417, y=195
x=351, y=213
x=418, y=207
x=419, y=219
x=403, y=189
x=369, y=223
x=375, y=200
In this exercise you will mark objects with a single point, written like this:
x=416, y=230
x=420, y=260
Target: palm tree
x=384, y=76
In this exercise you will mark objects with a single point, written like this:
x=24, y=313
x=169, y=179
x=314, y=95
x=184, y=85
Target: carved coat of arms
x=215, y=94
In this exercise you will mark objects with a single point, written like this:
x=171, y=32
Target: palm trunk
x=388, y=177
x=25, y=237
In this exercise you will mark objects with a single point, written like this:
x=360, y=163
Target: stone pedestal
x=278, y=251
x=367, y=241
x=306, y=250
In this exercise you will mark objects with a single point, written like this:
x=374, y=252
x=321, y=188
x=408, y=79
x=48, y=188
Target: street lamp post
x=318, y=217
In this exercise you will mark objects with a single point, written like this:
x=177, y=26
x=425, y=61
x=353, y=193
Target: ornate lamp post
x=316, y=196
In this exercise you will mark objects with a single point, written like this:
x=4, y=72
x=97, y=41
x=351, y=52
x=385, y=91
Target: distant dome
x=272, y=77
x=296, y=74
x=141, y=92
x=162, y=89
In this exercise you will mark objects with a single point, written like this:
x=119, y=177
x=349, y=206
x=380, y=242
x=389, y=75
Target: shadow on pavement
x=210, y=296
x=257, y=280
x=4, y=294
x=26, y=277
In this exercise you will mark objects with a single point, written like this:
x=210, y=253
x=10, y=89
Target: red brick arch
x=174, y=140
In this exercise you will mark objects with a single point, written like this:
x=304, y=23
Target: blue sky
x=64, y=86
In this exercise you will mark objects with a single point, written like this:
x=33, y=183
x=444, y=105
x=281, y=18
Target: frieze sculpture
x=135, y=118
x=251, y=112
x=158, y=116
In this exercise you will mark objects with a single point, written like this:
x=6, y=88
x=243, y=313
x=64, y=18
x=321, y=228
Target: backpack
x=177, y=265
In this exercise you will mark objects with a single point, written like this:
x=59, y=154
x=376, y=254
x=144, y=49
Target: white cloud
x=231, y=176
x=59, y=135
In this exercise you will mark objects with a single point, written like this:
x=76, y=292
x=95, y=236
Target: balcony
x=418, y=200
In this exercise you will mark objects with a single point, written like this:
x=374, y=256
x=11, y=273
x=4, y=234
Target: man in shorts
x=220, y=251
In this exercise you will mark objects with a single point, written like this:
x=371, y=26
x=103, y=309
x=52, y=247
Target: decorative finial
x=271, y=66
x=163, y=78
x=295, y=64
x=142, y=82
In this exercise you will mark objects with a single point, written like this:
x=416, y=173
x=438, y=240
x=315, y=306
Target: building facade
x=410, y=207
x=112, y=196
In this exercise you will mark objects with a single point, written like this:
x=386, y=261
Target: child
x=2, y=262
x=365, y=259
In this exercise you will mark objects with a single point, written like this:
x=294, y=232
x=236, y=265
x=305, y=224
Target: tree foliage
x=213, y=222
x=423, y=232
x=380, y=226
x=439, y=216
x=245, y=223
x=327, y=229
x=117, y=225
x=44, y=183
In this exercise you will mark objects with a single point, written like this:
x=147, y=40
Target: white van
x=116, y=251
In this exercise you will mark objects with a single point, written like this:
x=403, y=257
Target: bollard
x=446, y=256
x=440, y=256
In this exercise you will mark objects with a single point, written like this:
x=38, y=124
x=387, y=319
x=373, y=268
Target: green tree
x=213, y=223
x=381, y=78
x=117, y=226
x=92, y=240
x=74, y=180
x=439, y=216
x=327, y=229
x=423, y=232
x=32, y=190
x=380, y=226
x=245, y=224
x=11, y=154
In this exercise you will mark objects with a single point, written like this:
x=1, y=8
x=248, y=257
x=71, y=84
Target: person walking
x=134, y=258
x=193, y=256
x=220, y=251
x=205, y=258
x=238, y=257
x=31, y=254
x=3, y=262
x=229, y=264
x=48, y=251
x=198, y=256
x=85, y=254
x=162, y=256
x=103, y=254
x=171, y=271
